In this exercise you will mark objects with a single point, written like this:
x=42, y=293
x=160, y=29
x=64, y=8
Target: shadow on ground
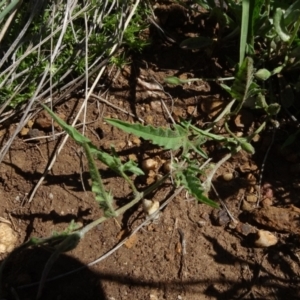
x=24, y=269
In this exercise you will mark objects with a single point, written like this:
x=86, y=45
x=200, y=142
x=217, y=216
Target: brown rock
x=43, y=121
x=277, y=219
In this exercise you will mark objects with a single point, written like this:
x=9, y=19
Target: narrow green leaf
x=105, y=199
x=71, y=131
x=173, y=80
x=225, y=87
x=247, y=147
x=255, y=18
x=279, y=25
x=165, y=137
x=244, y=29
x=8, y=9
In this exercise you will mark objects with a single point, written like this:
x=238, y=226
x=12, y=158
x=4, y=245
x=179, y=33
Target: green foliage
x=105, y=199
x=183, y=136
x=269, y=47
x=38, y=27
x=189, y=178
x=165, y=137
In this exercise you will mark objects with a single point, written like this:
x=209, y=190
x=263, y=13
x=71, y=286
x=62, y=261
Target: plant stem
x=124, y=208
x=129, y=181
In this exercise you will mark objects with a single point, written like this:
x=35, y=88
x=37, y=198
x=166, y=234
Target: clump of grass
x=70, y=40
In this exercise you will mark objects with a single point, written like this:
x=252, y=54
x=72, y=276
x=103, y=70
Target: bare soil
x=220, y=262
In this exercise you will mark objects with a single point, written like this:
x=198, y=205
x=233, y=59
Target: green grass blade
x=255, y=19
x=244, y=29
x=8, y=9
x=165, y=137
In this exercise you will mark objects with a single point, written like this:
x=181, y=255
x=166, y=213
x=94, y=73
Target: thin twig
x=183, y=252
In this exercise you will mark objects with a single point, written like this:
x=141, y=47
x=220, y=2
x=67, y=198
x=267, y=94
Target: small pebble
x=245, y=228
x=149, y=164
x=222, y=217
x=24, y=131
x=251, y=198
x=246, y=206
x=136, y=141
x=29, y=123
x=227, y=176
x=265, y=239
x=167, y=167
x=150, y=206
x=156, y=106
x=33, y=133
x=201, y=223
x=8, y=238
